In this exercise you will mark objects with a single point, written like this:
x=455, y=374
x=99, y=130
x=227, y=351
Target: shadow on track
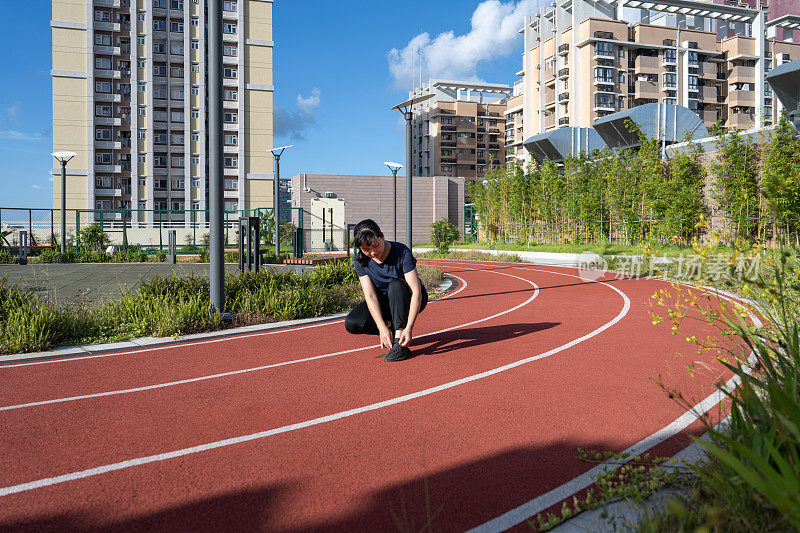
x=468, y=337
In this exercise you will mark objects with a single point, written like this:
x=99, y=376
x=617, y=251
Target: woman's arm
x=375, y=311
x=412, y=278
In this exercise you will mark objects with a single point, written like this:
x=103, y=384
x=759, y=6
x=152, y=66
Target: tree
x=734, y=188
x=93, y=237
x=781, y=181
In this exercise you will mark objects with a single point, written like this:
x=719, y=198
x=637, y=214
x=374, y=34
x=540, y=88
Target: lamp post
x=405, y=108
x=215, y=183
x=394, y=167
x=63, y=158
x=276, y=196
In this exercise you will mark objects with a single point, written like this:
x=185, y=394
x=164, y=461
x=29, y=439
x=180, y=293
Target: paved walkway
x=97, y=281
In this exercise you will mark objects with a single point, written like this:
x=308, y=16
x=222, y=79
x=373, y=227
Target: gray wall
x=371, y=197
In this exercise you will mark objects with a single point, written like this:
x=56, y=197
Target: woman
x=393, y=293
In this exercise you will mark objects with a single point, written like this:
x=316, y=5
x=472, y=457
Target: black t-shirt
x=397, y=263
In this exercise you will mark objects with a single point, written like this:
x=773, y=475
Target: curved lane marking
x=214, y=340
x=540, y=503
x=273, y=365
x=45, y=482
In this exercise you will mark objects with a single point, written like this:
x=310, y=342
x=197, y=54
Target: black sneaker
x=398, y=352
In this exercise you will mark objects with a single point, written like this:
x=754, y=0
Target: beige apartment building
x=130, y=98
x=583, y=60
x=460, y=130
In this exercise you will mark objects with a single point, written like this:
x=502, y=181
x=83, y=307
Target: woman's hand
x=406, y=336
x=386, y=338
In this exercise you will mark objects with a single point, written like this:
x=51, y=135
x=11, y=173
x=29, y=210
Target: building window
x=232, y=184
x=195, y=67
x=142, y=182
x=102, y=86
x=231, y=139
x=142, y=158
x=604, y=74
x=141, y=63
x=102, y=16
x=230, y=95
x=140, y=87
x=177, y=161
x=177, y=72
x=178, y=206
x=102, y=63
x=231, y=118
x=177, y=4
x=140, y=16
x=102, y=39
x=605, y=49
x=177, y=116
x=195, y=159
x=177, y=183
x=195, y=205
x=159, y=47
x=159, y=70
x=161, y=162
x=141, y=40
x=142, y=135
x=160, y=138
x=231, y=162
x=195, y=136
x=159, y=24
x=229, y=28
x=176, y=48
x=621, y=52
x=177, y=93
x=102, y=181
x=142, y=205
x=196, y=91
x=160, y=3
x=176, y=26
x=229, y=50
x=196, y=183
x=102, y=110
x=102, y=134
x=177, y=138
x=229, y=73
x=229, y=5
x=195, y=113
x=195, y=22
x=103, y=158
x=195, y=45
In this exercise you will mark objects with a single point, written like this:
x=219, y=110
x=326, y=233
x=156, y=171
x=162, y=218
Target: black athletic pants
x=394, y=306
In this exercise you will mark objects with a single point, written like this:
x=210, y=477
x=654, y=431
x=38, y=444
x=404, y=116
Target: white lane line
x=46, y=482
x=273, y=365
x=540, y=503
x=209, y=341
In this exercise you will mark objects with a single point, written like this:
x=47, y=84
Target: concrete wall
x=434, y=198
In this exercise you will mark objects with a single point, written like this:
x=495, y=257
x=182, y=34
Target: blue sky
x=335, y=80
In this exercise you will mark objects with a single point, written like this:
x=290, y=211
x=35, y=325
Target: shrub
x=55, y=256
x=443, y=235
x=93, y=237
x=6, y=258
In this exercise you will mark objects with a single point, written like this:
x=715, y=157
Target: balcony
x=605, y=81
x=563, y=49
x=646, y=65
x=563, y=97
x=709, y=116
x=669, y=60
x=108, y=145
x=103, y=73
x=108, y=26
x=603, y=54
x=741, y=99
x=604, y=105
x=230, y=37
x=645, y=90
x=110, y=50
x=108, y=192
x=228, y=104
x=742, y=74
x=231, y=172
x=563, y=73
x=107, y=121
x=707, y=70
x=107, y=3
x=550, y=121
x=107, y=97
x=709, y=93
x=740, y=121
x=230, y=82
x=108, y=168
x=669, y=85
x=227, y=126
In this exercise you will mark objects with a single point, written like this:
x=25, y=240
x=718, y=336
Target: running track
x=304, y=428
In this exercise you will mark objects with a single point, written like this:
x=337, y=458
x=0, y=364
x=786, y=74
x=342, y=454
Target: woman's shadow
x=468, y=337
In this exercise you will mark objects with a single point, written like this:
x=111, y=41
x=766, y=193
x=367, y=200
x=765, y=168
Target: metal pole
x=277, y=205
x=408, y=177
x=217, y=251
x=63, y=206
x=394, y=205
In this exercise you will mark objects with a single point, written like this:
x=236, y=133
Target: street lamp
x=276, y=194
x=216, y=193
x=63, y=158
x=405, y=108
x=394, y=167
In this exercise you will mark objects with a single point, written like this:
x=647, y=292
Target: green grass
x=175, y=305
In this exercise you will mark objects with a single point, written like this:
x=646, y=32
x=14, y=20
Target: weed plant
x=175, y=305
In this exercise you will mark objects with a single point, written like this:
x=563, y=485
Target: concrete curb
x=548, y=258
x=447, y=285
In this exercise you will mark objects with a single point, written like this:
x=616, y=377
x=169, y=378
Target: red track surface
x=464, y=453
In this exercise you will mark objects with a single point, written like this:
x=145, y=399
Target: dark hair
x=365, y=232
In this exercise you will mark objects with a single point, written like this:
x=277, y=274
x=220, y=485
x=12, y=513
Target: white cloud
x=20, y=136
x=307, y=105
x=13, y=111
x=293, y=123
x=493, y=32
x=37, y=186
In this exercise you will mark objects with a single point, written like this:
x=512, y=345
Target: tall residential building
x=460, y=130
x=583, y=61
x=130, y=97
